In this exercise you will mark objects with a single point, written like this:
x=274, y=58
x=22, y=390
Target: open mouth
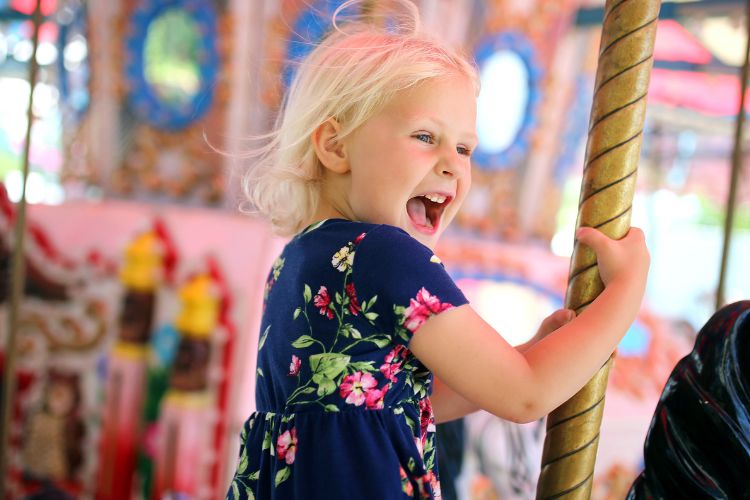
x=426, y=210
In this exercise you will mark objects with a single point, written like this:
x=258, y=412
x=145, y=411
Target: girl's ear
x=328, y=148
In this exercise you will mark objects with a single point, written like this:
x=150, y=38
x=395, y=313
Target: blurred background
x=135, y=351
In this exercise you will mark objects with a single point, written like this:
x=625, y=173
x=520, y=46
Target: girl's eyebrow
x=471, y=136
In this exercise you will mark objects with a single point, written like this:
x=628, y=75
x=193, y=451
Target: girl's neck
x=333, y=203
x=327, y=211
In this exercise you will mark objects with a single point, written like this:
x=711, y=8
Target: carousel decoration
x=148, y=258
x=514, y=124
x=192, y=420
x=507, y=64
x=175, y=81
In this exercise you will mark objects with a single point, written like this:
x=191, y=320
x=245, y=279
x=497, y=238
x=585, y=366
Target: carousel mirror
x=505, y=108
x=172, y=61
x=170, y=57
x=506, y=78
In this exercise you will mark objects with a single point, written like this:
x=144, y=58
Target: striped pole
x=609, y=174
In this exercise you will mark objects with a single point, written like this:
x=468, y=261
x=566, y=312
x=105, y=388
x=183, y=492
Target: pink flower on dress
x=359, y=238
x=286, y=446
x=426, y=419
x=294, y=366
x=355, y=387
x=429, y=479
x=435, y=483
x=322, y=301
x=375, y=398
x=353, y=303
x=390, y=370
x=395, y=353
x=406, y=485
x=421, y=308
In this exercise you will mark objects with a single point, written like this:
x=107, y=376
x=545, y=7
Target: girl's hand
x=557, y=319
x=618, y=258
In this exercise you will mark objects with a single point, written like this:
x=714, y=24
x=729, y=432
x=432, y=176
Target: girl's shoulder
x=342, y=230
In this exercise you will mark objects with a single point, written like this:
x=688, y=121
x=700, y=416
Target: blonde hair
x=349, y=76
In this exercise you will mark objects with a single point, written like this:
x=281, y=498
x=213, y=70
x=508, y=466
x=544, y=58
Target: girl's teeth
x=435, y=198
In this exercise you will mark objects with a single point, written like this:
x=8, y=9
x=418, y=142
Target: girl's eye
x=463, y=151
x=424, y=137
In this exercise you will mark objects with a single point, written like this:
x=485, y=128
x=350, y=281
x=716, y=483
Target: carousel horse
x=698, y=443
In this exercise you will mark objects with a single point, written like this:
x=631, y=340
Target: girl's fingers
x=636, y=234
x=592, y=237
x=555, y=320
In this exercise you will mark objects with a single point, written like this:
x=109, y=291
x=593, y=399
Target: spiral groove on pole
x=607, y=189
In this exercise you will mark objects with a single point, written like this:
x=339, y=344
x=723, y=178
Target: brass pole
x=736, y=168
x=609, y=173
x=18, y=272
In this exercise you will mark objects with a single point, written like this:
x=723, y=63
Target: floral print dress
x=342, y=404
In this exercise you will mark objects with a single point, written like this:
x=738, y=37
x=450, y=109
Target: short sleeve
x=403, y=280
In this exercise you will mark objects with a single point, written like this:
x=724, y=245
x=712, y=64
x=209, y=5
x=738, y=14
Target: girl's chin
x=428, y=240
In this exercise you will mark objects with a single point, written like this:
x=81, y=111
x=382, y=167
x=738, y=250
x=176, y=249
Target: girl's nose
x=446, y=171
x=451, y=163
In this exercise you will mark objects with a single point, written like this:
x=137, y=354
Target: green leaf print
x=429, y=462
x=326, y=386
x=428, y=445
x=249, y=493
x=235, y=489
x=307, y=293
x=259, y=372
x=254, y=476
x=410, y=423
x=355, y=333
x=329, y=364
x=366, y=305
x=278, y=265
x=403, y=334
x=263, y=338
x=297, y=313
x=243, y=464
x=283, y=475
x=379, y=341
x=266, y=441
x=303, y=341
x=331, y=408
x=362, y=366
x=345, y=330
x=371, y=316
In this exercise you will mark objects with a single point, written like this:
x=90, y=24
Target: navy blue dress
x=342, y=404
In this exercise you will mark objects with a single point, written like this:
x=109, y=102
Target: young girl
x=369, y=164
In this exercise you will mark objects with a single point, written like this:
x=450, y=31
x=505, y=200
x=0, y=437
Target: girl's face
x=410, y=163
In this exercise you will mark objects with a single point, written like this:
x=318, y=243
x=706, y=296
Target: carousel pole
x=609, y=173
x=18, y=272
x=736, y=167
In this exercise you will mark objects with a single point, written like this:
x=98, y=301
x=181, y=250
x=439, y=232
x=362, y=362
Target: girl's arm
x=448, y=405
x=468, y=356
